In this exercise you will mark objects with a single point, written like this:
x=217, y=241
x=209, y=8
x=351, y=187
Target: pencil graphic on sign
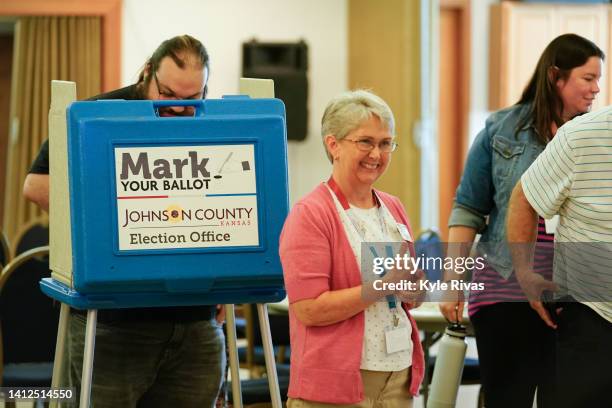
x=223, y=165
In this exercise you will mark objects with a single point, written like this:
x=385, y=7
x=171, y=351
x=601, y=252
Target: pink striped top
x=498, y=289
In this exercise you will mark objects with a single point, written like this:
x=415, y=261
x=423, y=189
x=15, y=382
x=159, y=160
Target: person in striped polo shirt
x=571, y=178
x=515, y=347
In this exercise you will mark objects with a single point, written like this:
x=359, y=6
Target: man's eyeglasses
x=367, y=145
x=164, y=94
x=169, y=94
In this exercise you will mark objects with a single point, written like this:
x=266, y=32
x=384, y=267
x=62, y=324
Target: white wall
x=223, y=26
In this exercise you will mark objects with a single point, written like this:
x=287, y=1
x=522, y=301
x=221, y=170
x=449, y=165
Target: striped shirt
x=573, y=178
x=498, y=289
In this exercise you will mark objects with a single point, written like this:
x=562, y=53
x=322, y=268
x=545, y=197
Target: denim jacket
x=497, y=159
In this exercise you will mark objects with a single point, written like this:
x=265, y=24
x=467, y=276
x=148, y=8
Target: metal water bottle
x=448, y=368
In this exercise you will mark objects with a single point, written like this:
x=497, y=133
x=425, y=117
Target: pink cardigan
x=317, y=257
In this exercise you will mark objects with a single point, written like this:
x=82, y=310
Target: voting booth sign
x=172, y=210
x=167, y=197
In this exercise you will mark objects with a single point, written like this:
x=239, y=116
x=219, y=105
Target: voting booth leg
x=88, y=356
x=60, y=345
x=266, y=339
x=233, y=356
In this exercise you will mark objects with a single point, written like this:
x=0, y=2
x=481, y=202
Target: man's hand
x=544, y=313
x=534, y=285
x=220, y=316
x=521, y=225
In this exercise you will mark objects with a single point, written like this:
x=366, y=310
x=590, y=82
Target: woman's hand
x=330, y=307
x=452, y=309
x=415, y=297
x=460, y=240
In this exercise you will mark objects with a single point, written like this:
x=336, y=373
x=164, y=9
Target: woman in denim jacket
x=515, y=347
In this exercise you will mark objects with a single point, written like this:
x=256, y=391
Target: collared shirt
x=572, y=178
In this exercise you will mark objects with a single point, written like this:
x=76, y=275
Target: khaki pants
x=382, y=390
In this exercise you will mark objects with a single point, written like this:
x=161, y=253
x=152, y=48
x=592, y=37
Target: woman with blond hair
x=347, y=349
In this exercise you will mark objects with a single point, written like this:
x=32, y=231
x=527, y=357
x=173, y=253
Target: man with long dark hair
x=149, y=357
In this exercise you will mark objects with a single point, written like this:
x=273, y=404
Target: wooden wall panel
x=384, y=57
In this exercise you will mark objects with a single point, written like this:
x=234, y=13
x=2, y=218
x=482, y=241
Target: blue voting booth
x=154, y=211
x=170, y=211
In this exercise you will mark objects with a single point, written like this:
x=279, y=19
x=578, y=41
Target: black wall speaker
x=287, y=65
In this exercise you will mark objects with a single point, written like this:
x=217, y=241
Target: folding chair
x=5, y=252
x=28, y=322
x=32, y=235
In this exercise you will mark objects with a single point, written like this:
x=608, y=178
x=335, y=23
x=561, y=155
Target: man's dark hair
x=179, y=48
x=563, y=54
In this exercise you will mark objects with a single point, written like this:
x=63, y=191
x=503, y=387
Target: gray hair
x=347, y=111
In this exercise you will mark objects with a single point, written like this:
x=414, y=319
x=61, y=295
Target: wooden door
x=592, y=23
x=519, y=34
x=454, y=103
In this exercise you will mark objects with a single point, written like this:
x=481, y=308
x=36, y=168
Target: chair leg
x=480, y=398
x=280, y=356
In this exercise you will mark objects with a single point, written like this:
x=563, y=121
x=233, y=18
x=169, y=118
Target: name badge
x=403, y=230
x=397, y=339
x=551, y=225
